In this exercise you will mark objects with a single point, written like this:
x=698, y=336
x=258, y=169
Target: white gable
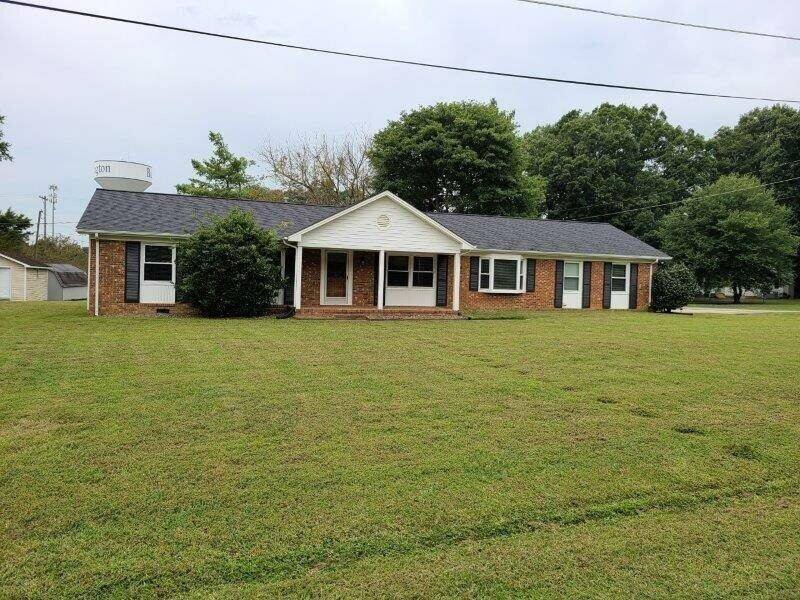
x=384, y=222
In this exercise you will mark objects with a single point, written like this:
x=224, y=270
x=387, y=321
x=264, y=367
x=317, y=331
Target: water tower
x=122, y=175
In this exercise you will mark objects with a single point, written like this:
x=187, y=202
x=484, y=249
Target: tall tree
x=766, y=143
x=733, y=233
x=5, y=147
x=456, y=156
x=617, y=158
x=14, y=230
x=321, y=170
x=224, y=175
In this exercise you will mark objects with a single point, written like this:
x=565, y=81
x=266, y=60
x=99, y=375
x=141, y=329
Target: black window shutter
x=441, y=280
x=558, y=301
x=607, y=285
x=288, y=271
x=587, y=284
x=530, y=275
x=474, y=270
x=633, y=289
x=132, y=255
x=375, y=264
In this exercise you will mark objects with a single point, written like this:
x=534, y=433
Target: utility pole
x=44, y=210
x=38, y=222
x=53, y=200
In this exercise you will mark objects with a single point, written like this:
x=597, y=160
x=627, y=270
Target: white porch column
x=381, y=271
x=298, y=276
x=456, y=281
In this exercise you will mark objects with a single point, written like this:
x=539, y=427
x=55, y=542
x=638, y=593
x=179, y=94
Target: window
x=485, y=267
x=158, y=263
x=397, y=271
x=502, y=275
x=619, y=278
x=505, y=274
x=572, y=276
x=423, y=271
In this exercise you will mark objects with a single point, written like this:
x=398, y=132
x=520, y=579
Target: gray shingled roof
x=144, y=212
x=543, y=235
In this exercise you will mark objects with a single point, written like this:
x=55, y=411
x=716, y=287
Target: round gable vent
x=383, y=222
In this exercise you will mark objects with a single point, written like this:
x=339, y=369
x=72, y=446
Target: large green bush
x=230, y=268
x=674, y=286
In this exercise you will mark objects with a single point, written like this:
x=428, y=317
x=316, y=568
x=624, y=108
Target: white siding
x=17, y=278
x=37, y=284
x=366, y=228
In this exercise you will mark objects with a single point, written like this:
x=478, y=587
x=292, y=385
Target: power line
x=393, y=60
x=667, y=192
x=664, y=21
x=752, y=187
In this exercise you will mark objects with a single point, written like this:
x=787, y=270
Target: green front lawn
x=565, y=454
x=752, y=303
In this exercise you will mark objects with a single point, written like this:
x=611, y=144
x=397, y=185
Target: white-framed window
x=397, y=271
x=422, y=276
x=158, y=263
x=409, y=270
x=572, y=276
x=502, y=274
x=619, y=277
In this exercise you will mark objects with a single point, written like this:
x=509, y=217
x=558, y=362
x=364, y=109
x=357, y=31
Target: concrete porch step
x=373, y=314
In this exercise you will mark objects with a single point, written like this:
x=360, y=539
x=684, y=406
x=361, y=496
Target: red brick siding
x=364, y=279
x=596, y=297
x=643, y=287
x=310, y=290
x=112, y=285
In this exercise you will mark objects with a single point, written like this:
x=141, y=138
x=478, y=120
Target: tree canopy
x=14, y=230
x=456, y=157
x=58, y=249
x=617, y=158
x=765, y=143
x=733, y=233
x=5, y=147
x=321, y=170
x=224, y=175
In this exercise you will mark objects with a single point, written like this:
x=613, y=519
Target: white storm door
x=620, y=280
x=5, y=283
x=337, y=277
x=573, y=276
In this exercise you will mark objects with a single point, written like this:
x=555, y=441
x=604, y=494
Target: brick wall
x=643, y=287
x=596, y=295
x=364, y=279
x=112, y=285
x=541, y=297
x=544, y=290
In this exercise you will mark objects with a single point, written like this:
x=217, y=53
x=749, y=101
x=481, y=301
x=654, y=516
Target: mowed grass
x=565, y=454
x=791, y=304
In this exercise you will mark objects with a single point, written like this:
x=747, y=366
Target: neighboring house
x=66, y=282
x=22, y=278
x=381, y=254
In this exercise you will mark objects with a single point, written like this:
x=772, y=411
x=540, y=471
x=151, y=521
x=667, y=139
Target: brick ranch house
x=378, y=257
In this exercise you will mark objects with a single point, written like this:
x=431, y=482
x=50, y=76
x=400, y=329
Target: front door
x=336, y=278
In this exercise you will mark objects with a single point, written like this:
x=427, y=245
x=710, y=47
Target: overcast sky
x=74, y=90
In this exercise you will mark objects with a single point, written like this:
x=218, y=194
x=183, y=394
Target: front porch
x=336, y=282
x=388, y=313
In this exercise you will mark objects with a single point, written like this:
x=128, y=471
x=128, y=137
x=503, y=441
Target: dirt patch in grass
x=690, y=429
x=743, y=451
